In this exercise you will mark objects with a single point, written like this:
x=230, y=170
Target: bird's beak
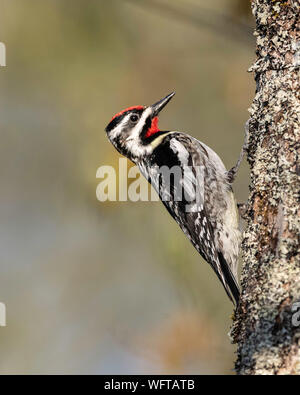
x=158, y=106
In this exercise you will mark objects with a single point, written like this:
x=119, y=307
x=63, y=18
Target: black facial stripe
x=146, y=126
x=119, y=119
x=114, y=123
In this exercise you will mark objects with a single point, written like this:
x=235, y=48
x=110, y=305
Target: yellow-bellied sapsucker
x=192, y=183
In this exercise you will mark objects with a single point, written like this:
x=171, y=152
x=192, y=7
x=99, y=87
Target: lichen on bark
x=268, y=339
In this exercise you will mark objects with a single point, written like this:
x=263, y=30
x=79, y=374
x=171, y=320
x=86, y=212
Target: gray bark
x=266, y=324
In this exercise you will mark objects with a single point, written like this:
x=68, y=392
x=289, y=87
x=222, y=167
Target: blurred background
x=112, y=287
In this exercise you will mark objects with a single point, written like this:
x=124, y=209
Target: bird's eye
x=134, y=118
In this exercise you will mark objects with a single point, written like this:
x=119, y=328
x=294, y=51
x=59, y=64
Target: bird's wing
x=183, y=194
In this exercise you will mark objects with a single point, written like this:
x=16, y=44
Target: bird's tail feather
x=231, y=286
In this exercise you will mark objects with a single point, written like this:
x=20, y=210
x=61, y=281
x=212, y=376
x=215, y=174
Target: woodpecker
x=198, y=193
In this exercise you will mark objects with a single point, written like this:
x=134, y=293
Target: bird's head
x=133, y=130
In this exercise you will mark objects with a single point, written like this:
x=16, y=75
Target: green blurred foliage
x=96, y=287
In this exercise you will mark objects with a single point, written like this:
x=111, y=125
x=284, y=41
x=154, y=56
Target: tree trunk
x=267, y=322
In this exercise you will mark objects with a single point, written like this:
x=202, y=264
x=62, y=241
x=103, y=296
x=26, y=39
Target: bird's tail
x=230, y=284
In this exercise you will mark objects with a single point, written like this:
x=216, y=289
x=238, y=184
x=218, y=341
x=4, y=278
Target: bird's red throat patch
x=153, y=128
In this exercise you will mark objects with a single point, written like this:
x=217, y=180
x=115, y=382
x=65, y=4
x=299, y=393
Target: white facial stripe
x=118, y=129
x=136, y=131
